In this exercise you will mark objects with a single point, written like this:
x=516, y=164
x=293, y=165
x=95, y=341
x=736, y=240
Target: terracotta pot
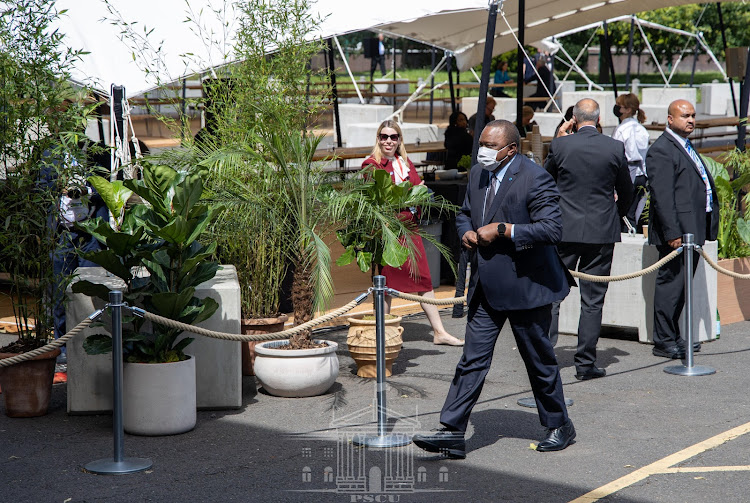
x=27, y=386
x=733, y=295
x=362, y=346
x=255, y=326
x=296, y=372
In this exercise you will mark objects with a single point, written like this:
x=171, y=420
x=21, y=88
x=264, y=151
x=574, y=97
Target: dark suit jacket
x=527, y=272
x=589, y=167
x=678, y=195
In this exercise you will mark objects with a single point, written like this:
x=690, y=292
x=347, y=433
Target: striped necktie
x=702, y=170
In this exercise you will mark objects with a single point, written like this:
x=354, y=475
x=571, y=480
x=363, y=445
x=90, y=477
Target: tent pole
x=724, y=42
x=484, y=84
x=393, y=77
x=432, y=85
x=610, y=61
x=335, y=95
x=630, y=52
x=520, y=61
x=695, y=61
x=450, y=83
x=744, y=99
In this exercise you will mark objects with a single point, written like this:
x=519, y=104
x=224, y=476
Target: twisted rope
x=720, y=269
x=257, y=337
x=623, y=277
x=7, y=362
x=422, y=300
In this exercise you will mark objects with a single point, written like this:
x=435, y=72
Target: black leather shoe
x=445, y=441
x=558, y=439
x=696, y=347
x=673, y=353
x=591, y=373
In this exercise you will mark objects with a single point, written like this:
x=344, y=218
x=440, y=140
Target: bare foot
x=446, y=339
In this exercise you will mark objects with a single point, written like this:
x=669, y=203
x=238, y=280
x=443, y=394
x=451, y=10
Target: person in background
x=489, y=108
x=501, y=77
x=413, y=276
x=683, y=201
x=458, y=140
x=378, y=59
x=527, y=121
x=635, y=137
x=546, y=77
x=589, y=169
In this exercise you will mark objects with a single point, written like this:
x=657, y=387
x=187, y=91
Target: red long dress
x=410, y=277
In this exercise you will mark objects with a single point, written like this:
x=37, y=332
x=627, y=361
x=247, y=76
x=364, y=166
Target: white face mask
x=487, y=157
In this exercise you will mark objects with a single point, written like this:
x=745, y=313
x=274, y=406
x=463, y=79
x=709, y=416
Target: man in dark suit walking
x=592, y=173
x=683, y=201
x=511, y=218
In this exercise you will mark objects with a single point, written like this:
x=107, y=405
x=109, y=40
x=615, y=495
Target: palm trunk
x=302, y=300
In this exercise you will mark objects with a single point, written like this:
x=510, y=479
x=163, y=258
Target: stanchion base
x=392, y=440
x=531, y=403
x=684, y=370
x=112, y=467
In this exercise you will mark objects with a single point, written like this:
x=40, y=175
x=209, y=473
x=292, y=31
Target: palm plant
x=734, y=224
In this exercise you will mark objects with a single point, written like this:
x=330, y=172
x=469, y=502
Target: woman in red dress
x=414, y=276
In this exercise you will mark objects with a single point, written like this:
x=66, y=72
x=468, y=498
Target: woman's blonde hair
x=630, y=100
x=377, y=153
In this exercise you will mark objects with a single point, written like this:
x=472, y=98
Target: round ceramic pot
x=256, y=326
x=362, y=344
x=27, y=386
x=159, y=398
x=296, y=372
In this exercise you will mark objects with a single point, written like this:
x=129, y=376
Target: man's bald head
x=505, y=130
x=586, y=112
x=681, y=117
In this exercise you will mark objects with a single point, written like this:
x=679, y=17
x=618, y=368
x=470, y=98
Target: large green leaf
x=109, y=260
x=97, y=344
x=171, y=304
x=347, y=257
x=743, y=229
x=175, y=232
x=187, y=195
x=114, y=194
x=91, y=289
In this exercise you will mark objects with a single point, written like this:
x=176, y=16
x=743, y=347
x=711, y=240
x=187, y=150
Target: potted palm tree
x=154, y=249
x=373, y=235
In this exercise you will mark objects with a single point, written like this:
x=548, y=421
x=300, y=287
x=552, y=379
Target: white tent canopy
x=435, y=22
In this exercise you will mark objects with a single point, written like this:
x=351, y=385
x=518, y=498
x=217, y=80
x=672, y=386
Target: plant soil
x=304, y=344
x=22, y=346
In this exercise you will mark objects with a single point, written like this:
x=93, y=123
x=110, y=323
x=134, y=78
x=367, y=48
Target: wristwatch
x=501, y=229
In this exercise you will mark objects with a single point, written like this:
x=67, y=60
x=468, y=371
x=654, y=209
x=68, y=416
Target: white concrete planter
x=159, y=398
x=296, y=372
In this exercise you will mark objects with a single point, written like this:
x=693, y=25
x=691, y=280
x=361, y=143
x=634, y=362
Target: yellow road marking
x=704, y=469
x=662, y=465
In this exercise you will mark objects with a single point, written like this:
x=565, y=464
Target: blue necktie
x=702, y=170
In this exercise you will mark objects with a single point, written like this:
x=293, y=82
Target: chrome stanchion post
x=119, y=464
x=688, y=246
x=382, y=439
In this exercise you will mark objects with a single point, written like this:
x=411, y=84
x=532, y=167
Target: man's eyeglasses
x=393, y=137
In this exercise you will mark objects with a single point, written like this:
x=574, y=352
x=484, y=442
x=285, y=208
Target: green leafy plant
x=374, y=234
x=41, y=116
x=160, y=237
x=734, y=225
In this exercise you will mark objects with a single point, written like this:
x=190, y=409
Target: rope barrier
x=7, y=362
x=623, y=277
x=720, y=269
x=257, y=337
x=422, y=300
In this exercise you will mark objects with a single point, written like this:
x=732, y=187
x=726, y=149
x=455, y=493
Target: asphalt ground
x=643, y=436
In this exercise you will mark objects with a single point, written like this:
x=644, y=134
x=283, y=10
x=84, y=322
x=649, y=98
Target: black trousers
x=669, y=299
x=530, y=328
x=374, y=62
x=594, y=259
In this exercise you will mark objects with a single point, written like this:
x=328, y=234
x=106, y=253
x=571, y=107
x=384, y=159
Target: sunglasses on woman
x=393, y=137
